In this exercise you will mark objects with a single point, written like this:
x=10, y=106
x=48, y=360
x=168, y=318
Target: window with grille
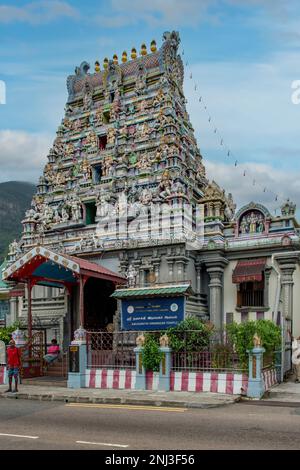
x=251, y=294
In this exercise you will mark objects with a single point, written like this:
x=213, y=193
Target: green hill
x=15, y=199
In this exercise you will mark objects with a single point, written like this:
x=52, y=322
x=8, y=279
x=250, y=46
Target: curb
x=118, y=401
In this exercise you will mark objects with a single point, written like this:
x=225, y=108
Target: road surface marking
x=102, y=444
x=127, y=407
x=18, y=435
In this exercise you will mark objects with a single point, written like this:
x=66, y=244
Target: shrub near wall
x=151, y=355
x=190, y=335
x=5, y=333
x=241, y=336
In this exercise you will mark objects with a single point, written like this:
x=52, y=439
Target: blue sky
x=243, y=55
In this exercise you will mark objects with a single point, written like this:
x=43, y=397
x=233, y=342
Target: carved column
x=287, y=267
x=215, y=270
x=181, y=263
x=198, y=277
x=156, y=266
x=170, y=261
x=266, y=290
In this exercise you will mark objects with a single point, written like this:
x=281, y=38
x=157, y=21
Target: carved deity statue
x=88, y=97
x=131, y=275
x=91, y=140
x=111, y=136
x=164, y=188
x=253, y=221
x=86, y=170
x=13, y=247
x=76, y=209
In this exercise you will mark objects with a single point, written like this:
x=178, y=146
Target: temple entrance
x=99, y=307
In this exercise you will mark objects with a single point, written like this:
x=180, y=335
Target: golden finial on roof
x=133, y=53
x=105, y=63
x=153, y=46
x=115, y=59
x=124, y=56
x=143, y=49
x=97, y=66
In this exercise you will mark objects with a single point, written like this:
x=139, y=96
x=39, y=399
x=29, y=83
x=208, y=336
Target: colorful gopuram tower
x=124, y=149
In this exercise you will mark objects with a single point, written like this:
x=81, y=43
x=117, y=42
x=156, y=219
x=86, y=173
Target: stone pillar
x=165, y=369
x=256, y=387
x=266, y=290
x=287, y=267
x=180, y=270
x=198, y=277
x=215, y=270
x=77, y=360
x=140, y=377
x=170, y=262
x=156, y=265
x=13, y=309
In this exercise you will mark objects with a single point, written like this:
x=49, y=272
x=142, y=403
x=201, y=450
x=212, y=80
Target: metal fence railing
x=191, y=352
x=111, y=350
x=206, y=361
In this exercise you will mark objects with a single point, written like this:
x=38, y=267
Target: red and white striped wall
x=110, y=378
x=269, y=378
x=230, y=383
x=152, y=379
x=2, y=375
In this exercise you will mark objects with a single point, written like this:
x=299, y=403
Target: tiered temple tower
x=125, y=149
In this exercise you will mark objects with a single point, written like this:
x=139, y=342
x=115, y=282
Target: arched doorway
x=99, y=307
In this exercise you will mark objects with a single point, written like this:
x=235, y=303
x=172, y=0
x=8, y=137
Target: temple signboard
x=152, y=314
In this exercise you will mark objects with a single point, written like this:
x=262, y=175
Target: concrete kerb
x=121, y=400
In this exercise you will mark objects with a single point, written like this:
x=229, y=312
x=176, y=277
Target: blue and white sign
x=152, y=314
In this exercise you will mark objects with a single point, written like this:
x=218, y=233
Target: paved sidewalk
x=286, y=392
x=129, y=397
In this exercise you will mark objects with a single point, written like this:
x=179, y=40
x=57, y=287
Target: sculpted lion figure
x=256, y=341
x=140, y=341
x=164, y=341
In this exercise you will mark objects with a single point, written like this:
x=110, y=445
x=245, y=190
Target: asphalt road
x=29, y=424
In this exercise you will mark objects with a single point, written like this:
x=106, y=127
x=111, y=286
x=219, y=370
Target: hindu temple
x=126, y=231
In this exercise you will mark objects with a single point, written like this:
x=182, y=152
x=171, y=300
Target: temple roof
x=45, y=267
x=153, y=291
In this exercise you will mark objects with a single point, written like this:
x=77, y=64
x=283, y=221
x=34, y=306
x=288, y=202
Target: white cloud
x=23, y=155
x=250, y=105
x=157, y=13
x=283, y=184
x=43, y=11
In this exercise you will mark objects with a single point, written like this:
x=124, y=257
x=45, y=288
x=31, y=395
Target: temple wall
x=164, y=270
x=230, y=293
x=296, y=303
x=191, y=274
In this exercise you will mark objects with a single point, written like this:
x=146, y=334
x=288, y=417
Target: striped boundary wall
x=230, y=383
x=110, y=378
x=2, y=375
x=152, y=379
x=270, y=378
x=216, y=382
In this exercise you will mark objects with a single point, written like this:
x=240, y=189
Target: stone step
x=55, y=374
x=46, y=381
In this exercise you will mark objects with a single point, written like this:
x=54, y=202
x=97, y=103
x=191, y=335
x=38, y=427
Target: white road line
x=102, y=444
x=19, y=435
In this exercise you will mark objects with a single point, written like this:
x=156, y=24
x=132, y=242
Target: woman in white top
x=296, y=357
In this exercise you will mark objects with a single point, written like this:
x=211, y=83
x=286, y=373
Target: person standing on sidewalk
x=296, y=357
x=13, y=364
